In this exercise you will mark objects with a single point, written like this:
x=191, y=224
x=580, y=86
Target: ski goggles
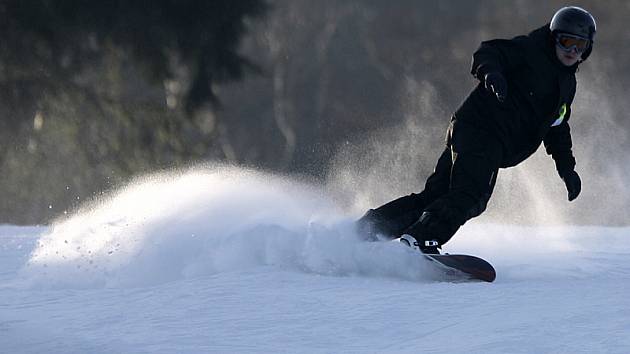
x=568, y=42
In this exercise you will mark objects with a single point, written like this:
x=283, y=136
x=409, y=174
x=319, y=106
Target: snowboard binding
x=427, y=247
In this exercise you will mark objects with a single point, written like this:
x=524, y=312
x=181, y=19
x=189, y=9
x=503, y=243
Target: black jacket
x=538, y=105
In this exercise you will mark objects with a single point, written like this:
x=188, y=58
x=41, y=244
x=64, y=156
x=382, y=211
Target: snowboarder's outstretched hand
x=495, y=83
x=574, y=184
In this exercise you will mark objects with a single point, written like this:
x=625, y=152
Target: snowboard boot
x=372, y=225
x=418, y=235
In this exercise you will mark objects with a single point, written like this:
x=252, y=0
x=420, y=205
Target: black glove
x=495, y=83
x=574, y=184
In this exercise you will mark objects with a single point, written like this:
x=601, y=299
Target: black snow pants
x=458, y=190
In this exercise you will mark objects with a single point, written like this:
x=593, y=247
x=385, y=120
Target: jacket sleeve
x=558, y=144
x=495, y=55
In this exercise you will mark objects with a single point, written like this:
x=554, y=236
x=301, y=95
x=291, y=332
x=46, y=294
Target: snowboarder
x=526, y=87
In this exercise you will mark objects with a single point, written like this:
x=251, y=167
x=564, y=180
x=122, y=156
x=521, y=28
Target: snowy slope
x=226, y=260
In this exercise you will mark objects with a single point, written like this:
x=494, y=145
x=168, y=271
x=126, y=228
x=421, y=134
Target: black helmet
x=574, y=20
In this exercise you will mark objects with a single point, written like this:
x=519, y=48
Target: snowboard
x=463, y=267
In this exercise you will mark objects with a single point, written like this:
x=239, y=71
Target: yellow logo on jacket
x=563, y=111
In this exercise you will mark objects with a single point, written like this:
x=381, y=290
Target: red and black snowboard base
x=463, y=267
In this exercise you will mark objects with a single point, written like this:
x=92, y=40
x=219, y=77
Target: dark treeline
x=93, y=93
